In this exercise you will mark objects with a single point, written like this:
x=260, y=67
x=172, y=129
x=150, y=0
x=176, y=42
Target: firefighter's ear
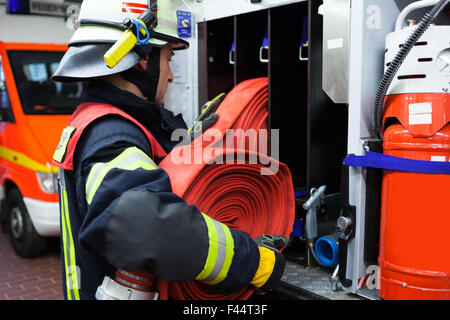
x=142, y=64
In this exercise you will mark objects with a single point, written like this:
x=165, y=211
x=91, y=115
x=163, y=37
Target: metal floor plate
x=315, y=280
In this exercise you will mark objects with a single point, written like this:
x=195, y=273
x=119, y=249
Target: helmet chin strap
x=146, y=80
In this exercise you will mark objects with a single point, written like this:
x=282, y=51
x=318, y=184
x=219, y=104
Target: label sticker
x=335, y=43
x=424, y=118
x=416, y=108
x=184, y=24
x=420, y=113
x=438, y=158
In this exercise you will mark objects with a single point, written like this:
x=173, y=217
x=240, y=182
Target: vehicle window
x=5, y=104
x=38, y=93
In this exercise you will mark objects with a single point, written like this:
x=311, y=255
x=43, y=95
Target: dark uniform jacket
x=118, y=209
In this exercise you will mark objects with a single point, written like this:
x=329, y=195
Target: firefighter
x=117, y=207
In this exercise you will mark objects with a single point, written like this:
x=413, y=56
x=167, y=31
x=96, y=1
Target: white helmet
x=101, y=24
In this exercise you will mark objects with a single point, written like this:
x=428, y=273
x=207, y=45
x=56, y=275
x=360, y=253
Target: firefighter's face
x=165, y=75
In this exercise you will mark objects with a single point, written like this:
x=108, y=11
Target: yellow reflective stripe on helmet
x=167, y=21
x=220, y=252
x=130, y=159
x=70, y=266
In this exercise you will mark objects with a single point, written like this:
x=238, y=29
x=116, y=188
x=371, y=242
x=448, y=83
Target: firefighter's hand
x=207, y=118
x=271, y=262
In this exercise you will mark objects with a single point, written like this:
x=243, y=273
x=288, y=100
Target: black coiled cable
x=378, y=105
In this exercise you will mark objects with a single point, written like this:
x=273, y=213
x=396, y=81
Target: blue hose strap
x=299, y=194
x=138, y=25
x=305, y=39
x=383, y=161
x=265, y=43
x=297, y=228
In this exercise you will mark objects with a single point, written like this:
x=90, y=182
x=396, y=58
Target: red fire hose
x=245, y=107
x=238, y=194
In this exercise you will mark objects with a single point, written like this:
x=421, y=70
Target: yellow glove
x=271, y=262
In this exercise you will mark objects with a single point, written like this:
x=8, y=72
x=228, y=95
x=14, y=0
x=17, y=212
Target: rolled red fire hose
x=245, y=107
x=238, y=196
x=256, y=197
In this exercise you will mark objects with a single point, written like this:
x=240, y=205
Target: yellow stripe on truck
x=24, y=161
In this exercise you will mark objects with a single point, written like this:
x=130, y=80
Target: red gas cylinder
x=414, y=257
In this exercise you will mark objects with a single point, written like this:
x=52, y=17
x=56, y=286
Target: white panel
x=216, y=9
x=371, y=20
x=437, y=40
x=182, y=94
x=32, y=28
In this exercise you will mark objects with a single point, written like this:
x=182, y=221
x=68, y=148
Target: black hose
x=378, y=105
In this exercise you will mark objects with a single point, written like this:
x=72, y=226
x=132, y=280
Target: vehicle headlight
x=48, y=181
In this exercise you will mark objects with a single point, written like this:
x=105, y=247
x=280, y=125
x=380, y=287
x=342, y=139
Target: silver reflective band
x=221, y=252
x=130, y=159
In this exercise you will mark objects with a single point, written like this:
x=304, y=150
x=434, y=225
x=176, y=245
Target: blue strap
x=299, y=194
x=305, y=31
x=383, y=161
x=265, y=43
x=138, y=25
x=297, y=228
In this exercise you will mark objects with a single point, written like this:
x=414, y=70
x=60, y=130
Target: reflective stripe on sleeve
x=70, y=266
x=220, y=252
x=130, y=159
